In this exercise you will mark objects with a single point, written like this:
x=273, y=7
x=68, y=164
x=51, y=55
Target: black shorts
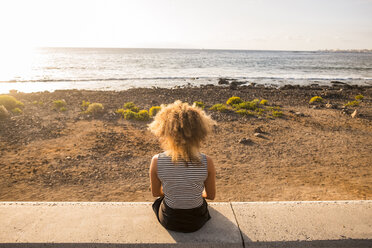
x=181, y=220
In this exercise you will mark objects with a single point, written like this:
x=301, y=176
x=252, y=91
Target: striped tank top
x=182, y=185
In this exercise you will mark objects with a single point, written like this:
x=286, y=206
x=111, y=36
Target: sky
x=201, y=24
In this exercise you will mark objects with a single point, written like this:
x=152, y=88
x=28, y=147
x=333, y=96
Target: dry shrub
x=277, y=113
x=10, y=102
x=359, y=97
x=316, y=99
x=247, y=105
x=199, y=104
x=3, y=112
x=219, y=107
x=95, y=109
x=84, y=105
x=234, y=100
x=59, y=105
x=129, y=114
x=154, y=110
x=131, y=106
x=352, y=104
x=143, y=115
x=244, y=112
x=17, y=111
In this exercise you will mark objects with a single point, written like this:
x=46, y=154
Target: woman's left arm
x=156, y=188
x=210, y=183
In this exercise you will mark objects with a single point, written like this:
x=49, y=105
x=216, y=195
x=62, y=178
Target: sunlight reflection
x=16, y=63
x=19, y=65
x=31, y=87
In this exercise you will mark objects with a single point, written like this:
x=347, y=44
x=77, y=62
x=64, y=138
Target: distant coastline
x=364, y=50
x=347, y=50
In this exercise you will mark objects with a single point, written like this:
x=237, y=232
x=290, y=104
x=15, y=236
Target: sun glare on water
x=17, y=66
x=16, y=63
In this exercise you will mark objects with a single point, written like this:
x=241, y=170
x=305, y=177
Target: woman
x=182, y=177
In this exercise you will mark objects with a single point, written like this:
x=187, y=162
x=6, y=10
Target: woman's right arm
x=156, y=188
x=210, y=182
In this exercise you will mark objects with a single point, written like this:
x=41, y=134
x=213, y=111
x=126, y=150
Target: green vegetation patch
x=17, y=111
x=120, y=111
x=277, y=113
x=127, y=114
x=131, y=106
x=95, y=109
x=234, y=100
x=244, y=112
x=273, y=108
x=59, y=105
x=246, y=105
x=84, y=105
x=131, y=112
x=10, y=102
x=316, y=99
x=199, y=104
x=359, y=97
x=260, y=111
x=154, y=110
x=255, y=107
x=143, y=115
x=219, y=107
x=40, y=103
x=3, y=112
x=352, y=104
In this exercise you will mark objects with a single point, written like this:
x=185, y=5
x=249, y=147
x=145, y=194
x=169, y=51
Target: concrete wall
x=235, y=224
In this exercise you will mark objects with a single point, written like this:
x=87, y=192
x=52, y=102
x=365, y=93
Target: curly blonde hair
x=181, y=128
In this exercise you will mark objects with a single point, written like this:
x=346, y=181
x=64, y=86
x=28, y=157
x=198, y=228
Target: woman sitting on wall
x=182, y=177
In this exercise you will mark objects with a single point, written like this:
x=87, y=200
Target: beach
x=311, y=152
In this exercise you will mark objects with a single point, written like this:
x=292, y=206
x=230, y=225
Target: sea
x=49, y=69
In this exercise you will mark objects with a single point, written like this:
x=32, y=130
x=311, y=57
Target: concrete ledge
x=246, y=224
x=305, y=224
x=108, y=225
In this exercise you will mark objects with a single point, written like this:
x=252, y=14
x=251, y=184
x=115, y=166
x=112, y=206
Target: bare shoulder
x=209, y=162
x=154, y=162
x=209, y=159
x=155, y=158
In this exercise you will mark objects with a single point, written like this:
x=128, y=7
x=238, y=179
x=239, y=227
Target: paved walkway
x=235, y=224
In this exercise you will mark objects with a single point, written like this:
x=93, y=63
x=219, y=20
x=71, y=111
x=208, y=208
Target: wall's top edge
x=149, y=203
x=304, y=202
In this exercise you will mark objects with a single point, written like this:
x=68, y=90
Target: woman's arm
x=155, y=182
x=210, y=182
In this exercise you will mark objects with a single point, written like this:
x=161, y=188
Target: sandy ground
x=318, y=154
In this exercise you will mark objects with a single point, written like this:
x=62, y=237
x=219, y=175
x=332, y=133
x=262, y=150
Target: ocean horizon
x=53, y=68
